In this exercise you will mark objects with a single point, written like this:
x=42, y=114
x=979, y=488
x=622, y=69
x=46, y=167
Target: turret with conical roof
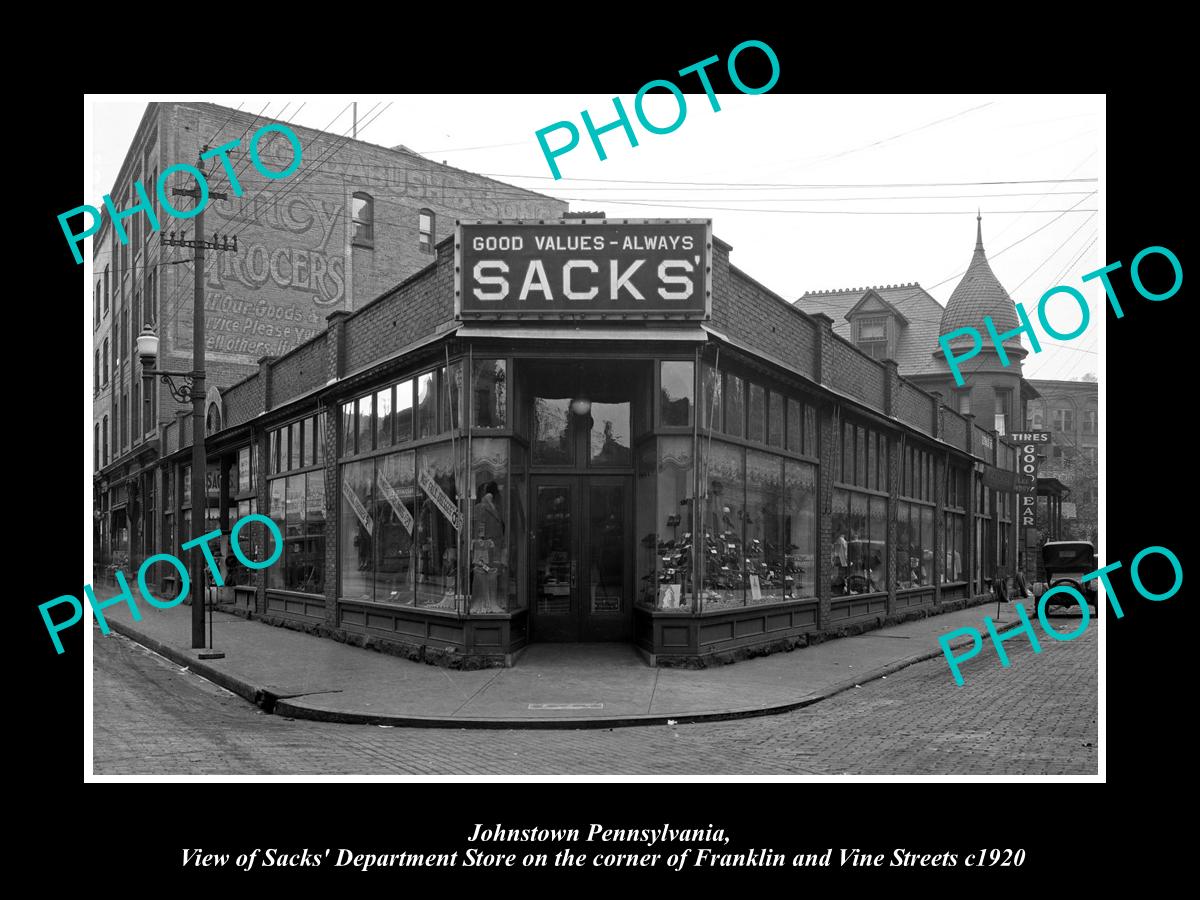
x=980, y=294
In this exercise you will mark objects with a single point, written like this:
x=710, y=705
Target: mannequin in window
x=841, y=559
x=487, y=550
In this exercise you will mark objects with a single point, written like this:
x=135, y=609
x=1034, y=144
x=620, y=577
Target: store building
x=354, y=220
x=596, y=430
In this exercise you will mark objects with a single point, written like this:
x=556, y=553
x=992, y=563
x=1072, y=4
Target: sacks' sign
x=626, y=269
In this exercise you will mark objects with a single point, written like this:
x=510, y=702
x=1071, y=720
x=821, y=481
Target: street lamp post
x=190, y=388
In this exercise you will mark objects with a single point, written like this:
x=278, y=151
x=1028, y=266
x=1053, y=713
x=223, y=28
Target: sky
x=813, y=192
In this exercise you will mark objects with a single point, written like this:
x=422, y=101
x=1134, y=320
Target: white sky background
x=791, y=240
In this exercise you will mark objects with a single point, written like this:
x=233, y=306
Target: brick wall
x=856, y=374
x=241, y=402
x=914, y=407
x=956, y=428
x=748, y=312
x=412, y=311
x=298, y=372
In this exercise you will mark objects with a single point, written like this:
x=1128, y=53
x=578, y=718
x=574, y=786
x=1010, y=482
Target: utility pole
x=199, y=455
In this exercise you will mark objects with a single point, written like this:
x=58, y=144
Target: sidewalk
x=550, y=686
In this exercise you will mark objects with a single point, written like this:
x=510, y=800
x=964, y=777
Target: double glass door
x=581, y=554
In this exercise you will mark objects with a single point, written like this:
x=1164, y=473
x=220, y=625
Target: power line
x=1051, y=256
x=805, y=186
x=835, y=212
x=228, y=119
x=292, y=185
x=894, y=137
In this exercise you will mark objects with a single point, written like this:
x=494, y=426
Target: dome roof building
x=978, y=295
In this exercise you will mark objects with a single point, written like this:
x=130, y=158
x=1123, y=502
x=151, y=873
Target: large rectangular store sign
x=584, y=269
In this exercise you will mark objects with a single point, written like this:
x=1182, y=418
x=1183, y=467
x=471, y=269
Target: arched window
x=426, y=223
x=104, y=439
x=104, y=360
x=96, y=448
x=364, y=219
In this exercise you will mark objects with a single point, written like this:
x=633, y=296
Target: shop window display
x=799, y=530
x=723, y=581
x=763, y=564
x=394, y=521
x=859, y=550
x=435, y=538
x=490, y=586
x=667, y=573
x=914, y=540
x=356, y=553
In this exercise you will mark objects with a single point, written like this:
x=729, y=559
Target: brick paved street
x=1037, y=717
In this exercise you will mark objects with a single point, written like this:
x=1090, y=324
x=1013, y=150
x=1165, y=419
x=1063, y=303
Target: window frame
x=363, y=234
x=426, y=240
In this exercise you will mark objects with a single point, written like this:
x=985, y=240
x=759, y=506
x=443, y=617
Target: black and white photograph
x=706, y=430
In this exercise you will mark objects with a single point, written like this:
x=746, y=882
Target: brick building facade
x=1069, y=410
x=352, y=221
x=733, y=485
x=903, y=322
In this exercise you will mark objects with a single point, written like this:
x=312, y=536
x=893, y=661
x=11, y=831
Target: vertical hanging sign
x=1028, y=443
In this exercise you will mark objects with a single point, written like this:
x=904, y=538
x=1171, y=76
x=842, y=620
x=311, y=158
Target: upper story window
x=1064, y=420
x=104, y=439
x=106, y=290
x=964, y=401
x=873, y=336
x=1003, y=404
x=96, y=374
x=1089, y=421
x=425, y=221
x=104, y=360
x=96, y=302
x=364, y=219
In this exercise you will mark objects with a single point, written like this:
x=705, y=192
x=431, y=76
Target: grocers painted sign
x=612, y=269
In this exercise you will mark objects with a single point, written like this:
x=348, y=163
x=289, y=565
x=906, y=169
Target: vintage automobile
x=1066, y=562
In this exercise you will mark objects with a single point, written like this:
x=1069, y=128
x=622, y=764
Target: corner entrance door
x=582, y=566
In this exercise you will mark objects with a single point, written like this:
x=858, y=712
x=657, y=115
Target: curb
x=271, y=702
x=243, y=689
